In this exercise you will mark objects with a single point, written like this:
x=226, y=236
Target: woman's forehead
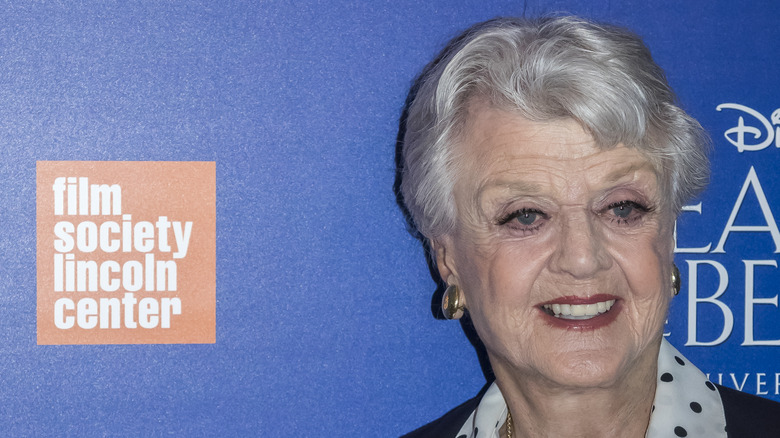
x=500, y=148
x=489, y=130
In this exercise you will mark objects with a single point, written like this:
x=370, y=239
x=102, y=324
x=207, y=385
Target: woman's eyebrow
x=524, y=187
x=503, y=186
x=623, y=171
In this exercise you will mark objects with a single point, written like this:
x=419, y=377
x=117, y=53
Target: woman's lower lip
x=593, y=323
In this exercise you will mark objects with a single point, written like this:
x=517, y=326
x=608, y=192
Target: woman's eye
x=526, y=217
x=626, y=212
x=623, y=210
x=525, y=220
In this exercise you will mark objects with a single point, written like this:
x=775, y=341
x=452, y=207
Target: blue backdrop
x=323, y=299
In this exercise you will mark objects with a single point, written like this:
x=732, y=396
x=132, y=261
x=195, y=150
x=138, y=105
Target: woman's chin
x=585, y=373
x=597, y=363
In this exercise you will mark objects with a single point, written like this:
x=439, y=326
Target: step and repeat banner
x=727, y=245
x=199, y=232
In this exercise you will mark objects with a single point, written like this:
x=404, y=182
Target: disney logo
x=736, y=135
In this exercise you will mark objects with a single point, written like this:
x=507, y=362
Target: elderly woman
x=544, y=163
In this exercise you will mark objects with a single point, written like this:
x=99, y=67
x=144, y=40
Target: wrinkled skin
x=546, y=216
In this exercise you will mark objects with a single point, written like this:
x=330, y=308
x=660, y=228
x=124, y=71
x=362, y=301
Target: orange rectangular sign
x=126, y=252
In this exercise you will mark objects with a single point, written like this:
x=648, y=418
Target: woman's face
x=563, y=250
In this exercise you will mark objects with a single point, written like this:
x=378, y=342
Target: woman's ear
x=443, y=252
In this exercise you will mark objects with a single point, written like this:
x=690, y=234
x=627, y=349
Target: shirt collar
x=686, y=404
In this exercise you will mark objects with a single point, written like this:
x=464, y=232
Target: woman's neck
x=540, y=408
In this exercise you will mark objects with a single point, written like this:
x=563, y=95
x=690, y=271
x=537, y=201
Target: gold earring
x=675, y=280
x=452, y=303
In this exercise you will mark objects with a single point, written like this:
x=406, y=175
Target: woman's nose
x=581, y=250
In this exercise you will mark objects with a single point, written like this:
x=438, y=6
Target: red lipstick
x=581, y=313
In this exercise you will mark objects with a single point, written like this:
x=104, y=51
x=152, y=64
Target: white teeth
x=579, y=311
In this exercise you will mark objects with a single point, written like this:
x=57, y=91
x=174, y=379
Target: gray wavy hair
x=545, y=69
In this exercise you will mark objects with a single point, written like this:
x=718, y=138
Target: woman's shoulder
x=748, y=415
x=450, y=423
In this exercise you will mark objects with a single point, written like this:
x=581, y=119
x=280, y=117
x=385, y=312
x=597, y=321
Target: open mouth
x=578, y=311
